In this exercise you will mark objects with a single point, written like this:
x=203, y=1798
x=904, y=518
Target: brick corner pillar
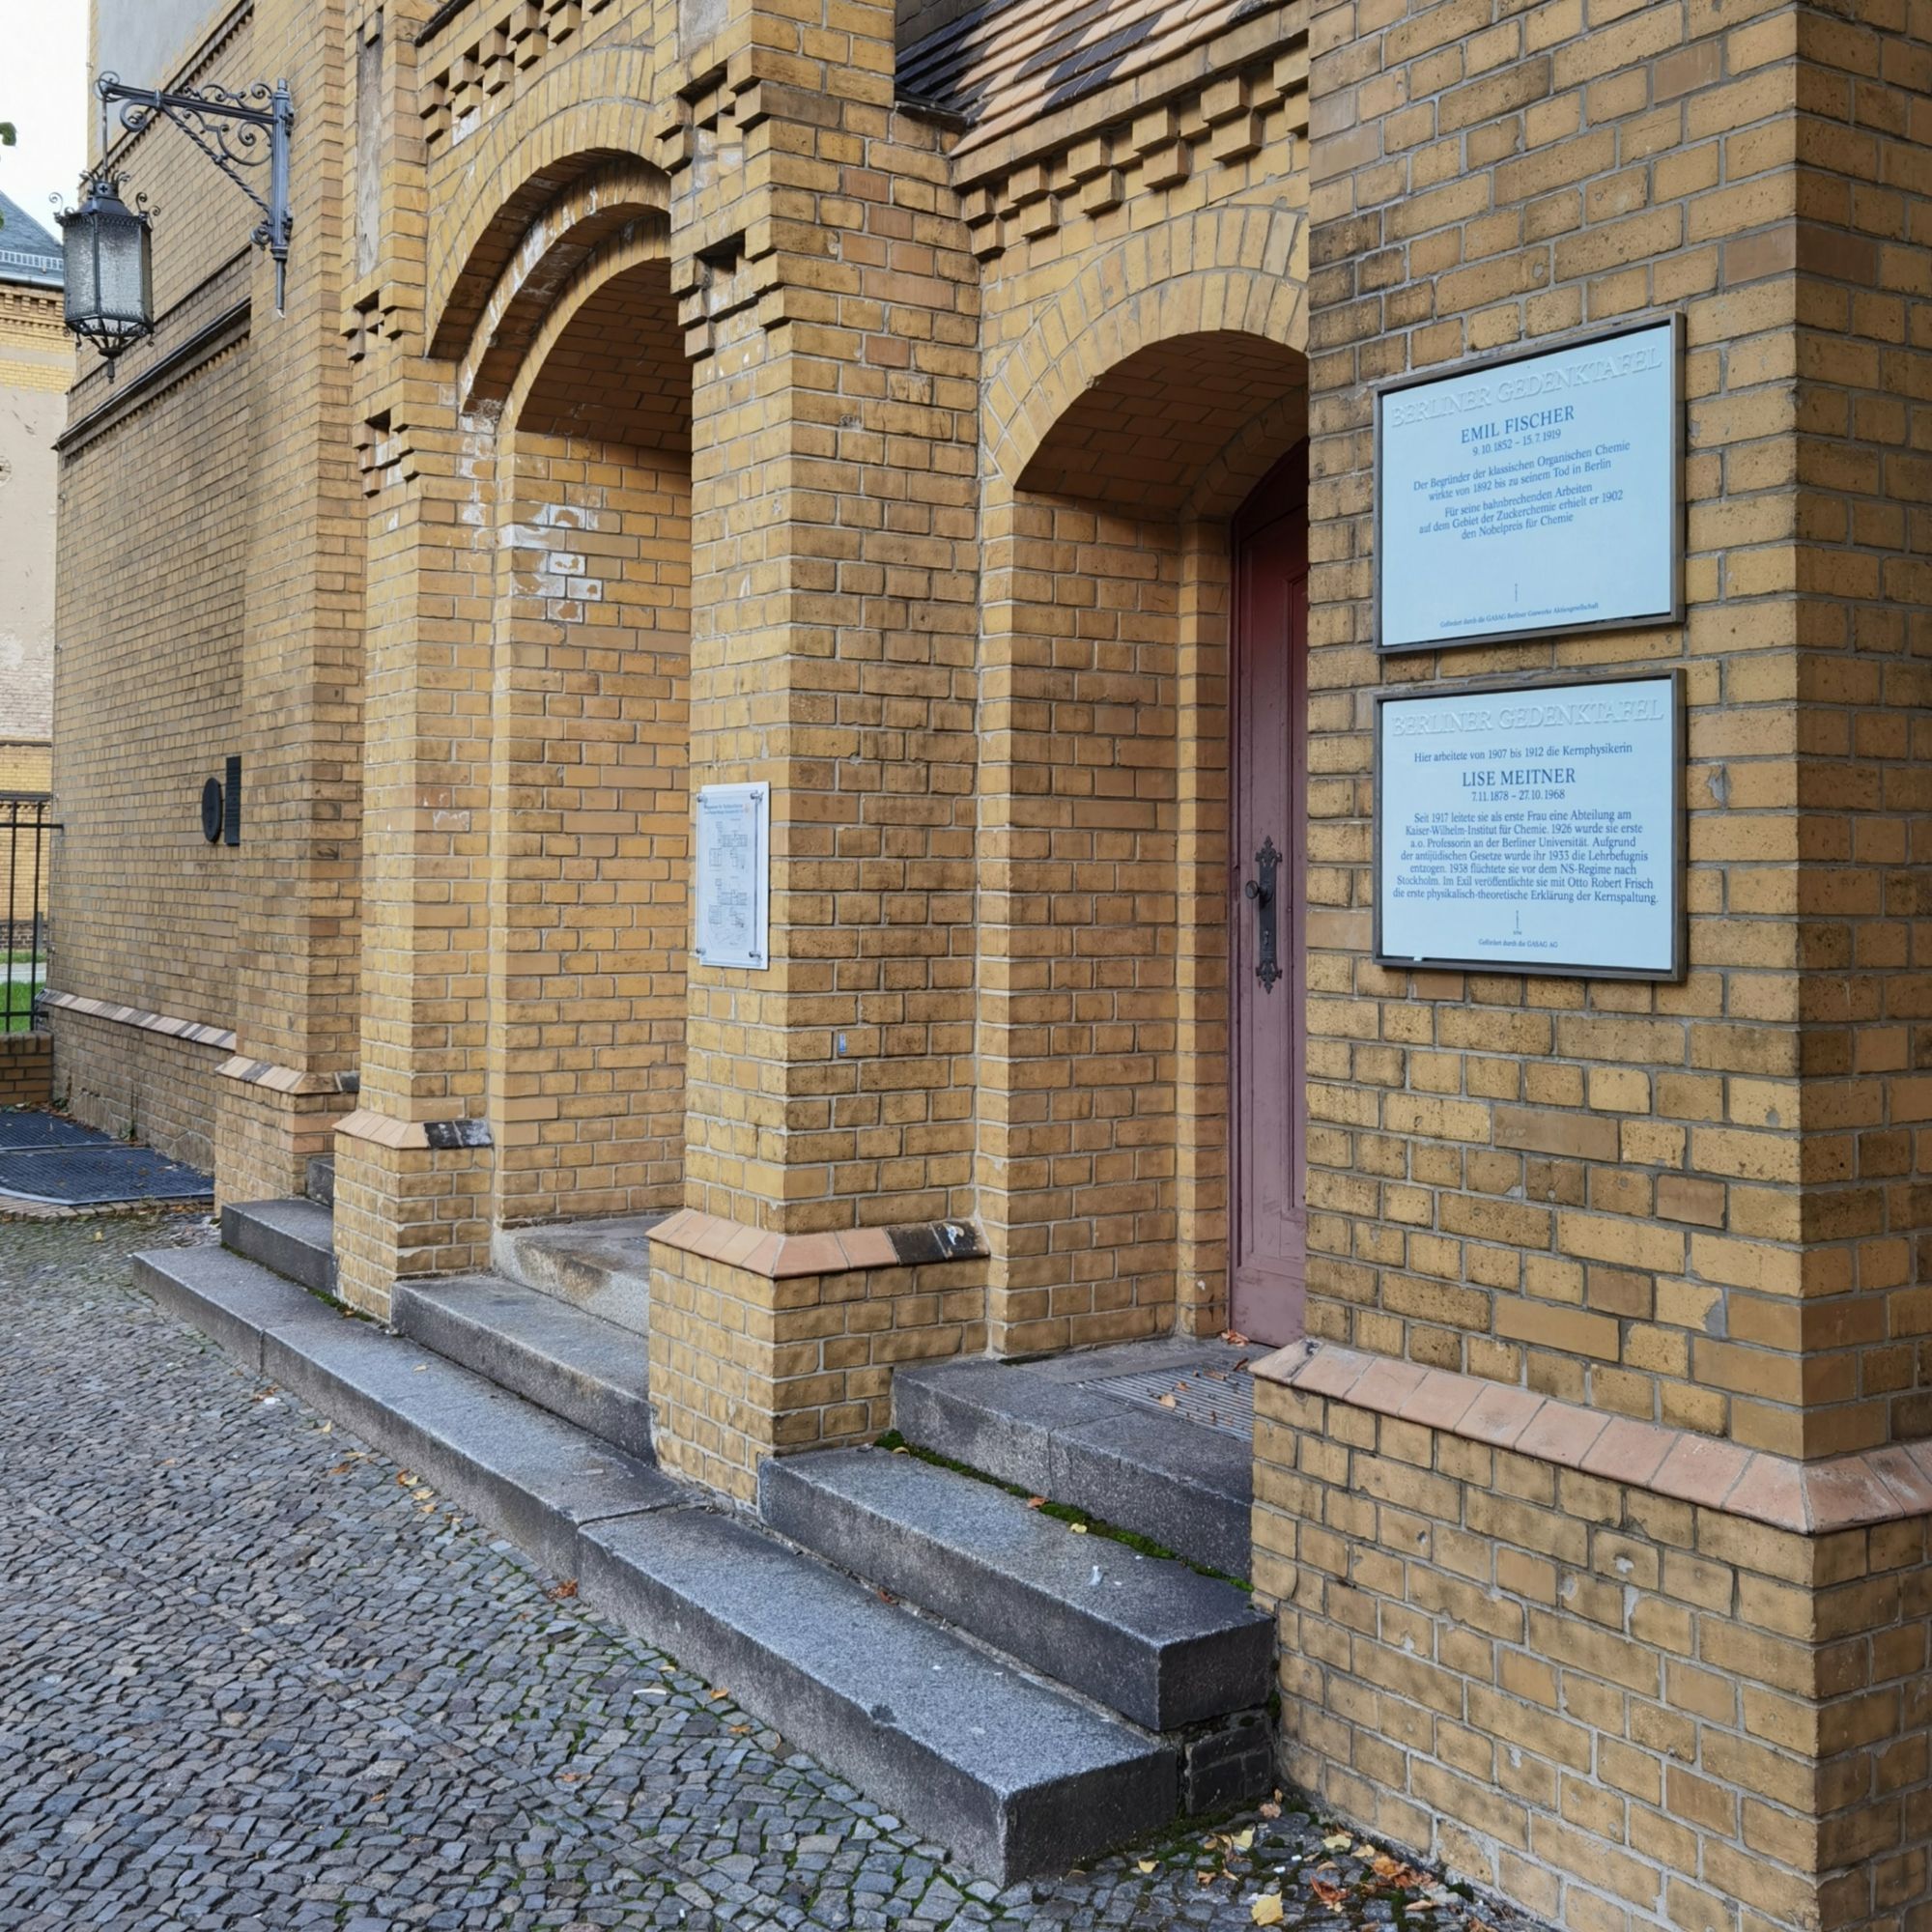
x=835, y=338
x=1596, y=1514
x=293, y=1072
x=415, y=1159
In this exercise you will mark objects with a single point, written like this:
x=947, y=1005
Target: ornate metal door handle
x=1262, y=892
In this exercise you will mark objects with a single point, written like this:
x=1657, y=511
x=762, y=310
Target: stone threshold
x=1846, y=1492
x=134, y=1016
x=783, y=1257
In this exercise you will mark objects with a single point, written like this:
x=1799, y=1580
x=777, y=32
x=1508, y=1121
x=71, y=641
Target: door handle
x=1262, y=891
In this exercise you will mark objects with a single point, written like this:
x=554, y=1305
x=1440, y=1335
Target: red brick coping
x=1846, y=1492
x=782, y=1256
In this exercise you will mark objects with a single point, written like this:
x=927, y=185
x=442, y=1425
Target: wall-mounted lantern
x=108, y=246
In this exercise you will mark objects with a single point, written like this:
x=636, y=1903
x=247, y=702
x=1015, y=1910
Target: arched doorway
x=1267, y=902
x=1108, y=1089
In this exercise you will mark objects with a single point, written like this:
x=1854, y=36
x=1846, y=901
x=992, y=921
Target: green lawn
x=17, y=1005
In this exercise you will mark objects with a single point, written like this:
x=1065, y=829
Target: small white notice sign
x=1532, y=828
x=731, y=924
x=1534, y=493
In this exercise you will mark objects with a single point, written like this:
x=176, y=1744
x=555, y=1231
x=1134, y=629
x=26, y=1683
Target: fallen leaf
x=570, y=1776
x=1234, y=1336
x=1267, y=1908
x=741, y=1730
x=403, y=1480
x=886, y=1597
x=902, y=1450
x=1338, y=1841
x=564, y=1591
x=1078, y=1528
x=717, y=1696
x=1168, y=1401
x=1144, y=1865
x=1241, y=1840
x=1203, y=1878
x=1035, y=1502
x=1270, y=1811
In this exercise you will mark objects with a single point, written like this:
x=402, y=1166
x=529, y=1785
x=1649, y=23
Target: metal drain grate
x=22, y=1128
x=92, y=1176
x=1215, y=1398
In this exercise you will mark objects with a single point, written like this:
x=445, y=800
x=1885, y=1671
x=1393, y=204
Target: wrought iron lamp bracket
x=237, y=128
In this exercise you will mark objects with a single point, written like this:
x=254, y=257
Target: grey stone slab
x=533, y=1476
x=602, y=1267
x=992, y=1417
x=228, y=1299
x=1170, y=1351
x=319, y=1182
x=1014, y=1777
x=1154, y=1640
x=294, y=1238
x=1189, y=1489
x=587, y=1370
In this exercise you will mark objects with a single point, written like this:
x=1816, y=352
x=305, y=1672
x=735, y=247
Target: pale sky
x=43, y=91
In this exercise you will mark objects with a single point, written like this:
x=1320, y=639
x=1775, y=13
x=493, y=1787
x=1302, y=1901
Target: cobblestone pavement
x=252, y=1676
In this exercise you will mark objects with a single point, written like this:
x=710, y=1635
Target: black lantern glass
x=110, y=292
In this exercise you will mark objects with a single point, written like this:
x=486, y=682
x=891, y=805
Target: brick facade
x=671, y=394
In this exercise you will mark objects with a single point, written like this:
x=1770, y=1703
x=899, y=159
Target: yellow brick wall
x=138, y=1085
x=148, y=705
x=36, y=366
x=151, y=608
x=1615, y=1705
x=1590, y=1188
x=26, y=1069
x=745, y=1366
x=25, y=764
x=591, y=709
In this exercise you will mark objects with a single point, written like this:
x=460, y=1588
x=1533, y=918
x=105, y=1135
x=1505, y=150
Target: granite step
x=537, y=1479
x=1156, y=1641
x=1185, y=1486
x=1015, y=1778
x=569, y=1362
x=293, y=1237
x=1011, y=1775
x=319, y=1180
x=603, y=1267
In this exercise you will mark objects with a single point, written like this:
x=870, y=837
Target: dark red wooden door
x=1269, y=1209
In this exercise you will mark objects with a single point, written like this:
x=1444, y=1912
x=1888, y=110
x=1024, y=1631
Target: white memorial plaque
x=1532, y=828
x=1531, y=494
x=733, y=920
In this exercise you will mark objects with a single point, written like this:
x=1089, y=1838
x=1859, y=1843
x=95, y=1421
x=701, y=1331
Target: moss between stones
x=1069, y=1514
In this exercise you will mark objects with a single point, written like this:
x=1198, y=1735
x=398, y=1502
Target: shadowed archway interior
x=591, y=758
x=1105, y=782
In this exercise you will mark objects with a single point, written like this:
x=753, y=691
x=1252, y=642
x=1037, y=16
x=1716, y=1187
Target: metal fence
x=26, y=849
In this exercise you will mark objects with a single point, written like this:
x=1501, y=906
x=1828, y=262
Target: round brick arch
x=622, y=201
x=586, y=116
x=607, y=357
x=1226, y=276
